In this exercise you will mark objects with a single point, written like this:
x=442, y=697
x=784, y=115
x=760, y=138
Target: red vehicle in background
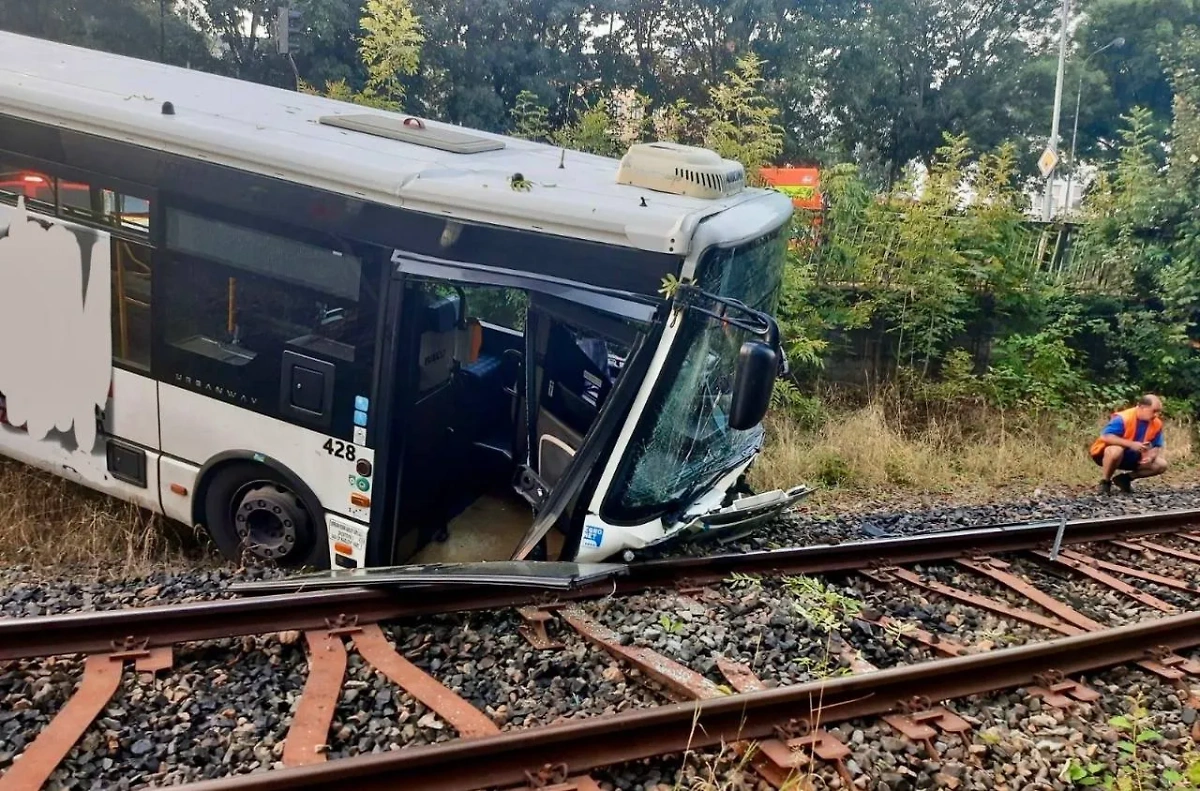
x=803, y=185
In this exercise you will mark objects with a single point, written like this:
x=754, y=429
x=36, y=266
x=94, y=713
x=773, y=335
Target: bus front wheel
x=251, y=508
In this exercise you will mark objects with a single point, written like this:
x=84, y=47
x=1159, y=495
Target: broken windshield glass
x=689, y=442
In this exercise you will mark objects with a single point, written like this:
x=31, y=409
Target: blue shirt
x=1117, y=426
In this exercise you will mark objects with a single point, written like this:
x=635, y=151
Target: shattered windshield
x=690, y=442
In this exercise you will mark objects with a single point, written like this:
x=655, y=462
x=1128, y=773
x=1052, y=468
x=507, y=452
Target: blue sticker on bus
x=593, y=536
x=361, y=403
x=360, y=417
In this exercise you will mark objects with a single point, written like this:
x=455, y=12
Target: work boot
x=1104, y=489
x=1124, y=482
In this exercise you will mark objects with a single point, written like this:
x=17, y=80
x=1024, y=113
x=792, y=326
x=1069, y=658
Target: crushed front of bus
x=680, y=473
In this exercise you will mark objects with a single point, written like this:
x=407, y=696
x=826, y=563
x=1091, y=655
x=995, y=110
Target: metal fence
x=865, y=254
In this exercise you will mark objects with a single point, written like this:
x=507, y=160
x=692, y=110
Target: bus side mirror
x=757, y=366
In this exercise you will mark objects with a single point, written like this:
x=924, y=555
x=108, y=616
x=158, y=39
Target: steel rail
x=497, y=761
x=163, y=625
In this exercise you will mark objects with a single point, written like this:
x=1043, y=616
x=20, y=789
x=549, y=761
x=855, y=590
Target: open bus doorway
x=473, y=475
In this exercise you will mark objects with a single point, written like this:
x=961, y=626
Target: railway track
x=1051, y=587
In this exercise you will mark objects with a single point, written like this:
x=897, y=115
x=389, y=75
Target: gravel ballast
x=225, y=706
x=802, y=529
x=1016, y=743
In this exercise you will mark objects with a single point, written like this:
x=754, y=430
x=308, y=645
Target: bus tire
x=253, y=509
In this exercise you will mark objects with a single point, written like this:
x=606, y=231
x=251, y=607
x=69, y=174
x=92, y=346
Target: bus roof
x=278, y=132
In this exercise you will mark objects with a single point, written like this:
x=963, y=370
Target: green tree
x=529, y=118
x=740, y=122
x=592, y=132
x=480, y=54
x=906, y=71
x=137, y=28
x=327, y=50
x=1132, y=75
x=390, y=47
x=242, y=26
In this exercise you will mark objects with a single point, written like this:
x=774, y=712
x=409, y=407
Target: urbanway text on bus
x=217, y=390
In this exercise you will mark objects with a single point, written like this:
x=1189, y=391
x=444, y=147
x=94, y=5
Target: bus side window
x=130, y=258
x=505, y=307
x=38, y=189
x=131, y=276
x=103, y=206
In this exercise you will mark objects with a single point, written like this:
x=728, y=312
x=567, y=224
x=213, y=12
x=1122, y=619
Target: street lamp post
x=1119, y=41
x=1058, y=87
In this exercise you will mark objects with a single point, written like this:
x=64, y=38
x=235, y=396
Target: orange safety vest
x=1130, y=421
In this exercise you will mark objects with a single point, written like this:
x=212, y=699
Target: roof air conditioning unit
x=681, y=170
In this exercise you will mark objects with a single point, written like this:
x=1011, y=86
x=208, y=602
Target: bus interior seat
x=557, y=446
x=431, y=460
x=439, y=333
x=487, y=396
x=575, y=384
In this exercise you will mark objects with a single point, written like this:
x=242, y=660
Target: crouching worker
x=1133, y=443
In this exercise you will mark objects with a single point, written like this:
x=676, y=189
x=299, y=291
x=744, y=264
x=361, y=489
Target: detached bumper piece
x=552, y=575
x=744, y=514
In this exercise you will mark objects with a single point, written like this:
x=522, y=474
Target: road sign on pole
x=1047, y=162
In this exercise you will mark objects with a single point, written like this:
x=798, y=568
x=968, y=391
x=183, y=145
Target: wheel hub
x=269, y=520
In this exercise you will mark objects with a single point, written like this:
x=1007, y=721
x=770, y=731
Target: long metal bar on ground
x=497, y=761
x=26, y=638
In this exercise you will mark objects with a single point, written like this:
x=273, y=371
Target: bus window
x=232, y=317
x=131, y=302
x=127, y=212
x=238, y=300
x=505, y=307
x=97, y=205
x=37, y=188
x=73, y=199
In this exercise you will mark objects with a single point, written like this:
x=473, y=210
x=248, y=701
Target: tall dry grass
x=873, y=452
x=54, y=525
x=858, y=457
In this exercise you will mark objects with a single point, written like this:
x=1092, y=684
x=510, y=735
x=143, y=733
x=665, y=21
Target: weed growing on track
x=50, y=523
x=1133, y=773
x=819, y=604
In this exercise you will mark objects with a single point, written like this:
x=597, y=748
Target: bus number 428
x=342, y=450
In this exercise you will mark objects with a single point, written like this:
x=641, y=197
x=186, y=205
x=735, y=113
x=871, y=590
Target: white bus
x=335, y=336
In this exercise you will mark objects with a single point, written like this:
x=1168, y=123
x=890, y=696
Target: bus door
x=476, y=459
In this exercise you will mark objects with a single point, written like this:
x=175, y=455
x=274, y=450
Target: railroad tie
x=778, y=759
x=470, y=722
x=307, y=734
x=680, y=680
x=1087, y=566
x=996, y=570
x=1162, y=663
x=101, y=680
x=1129, y=571
x=946, y=646
x=305, y=741
x=1142, y=546
x=888, y=576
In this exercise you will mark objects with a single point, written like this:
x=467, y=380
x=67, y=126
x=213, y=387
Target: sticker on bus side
x=347, y=542
x=593, y=535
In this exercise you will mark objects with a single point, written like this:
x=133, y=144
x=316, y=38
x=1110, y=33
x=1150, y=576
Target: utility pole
x=1119, y=41
x=288, y=29
x=162, y=31
x=1058, y=92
